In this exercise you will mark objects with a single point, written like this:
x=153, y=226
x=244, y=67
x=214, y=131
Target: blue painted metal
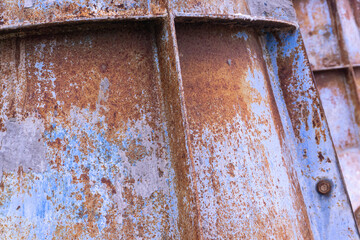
x=330, y=216
x=331, y=36
x=162, y=129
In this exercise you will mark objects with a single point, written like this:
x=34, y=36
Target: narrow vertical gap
x=17, y=52
x=338, y=31
x=17, y=80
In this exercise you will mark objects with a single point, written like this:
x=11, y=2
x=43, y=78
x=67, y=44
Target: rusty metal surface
x=339, y=109
x=21, y=13
x=236, y=137
x=331, y=32
x=332, y=41
x=166, y=130
x=97, y=111
x=319, y=32
x=210, y=7
x=305, y=125
x=350, y=33
x=357, y=79
x=188, y=221
x=278, y=10
x=355, y=5
x=276, y=13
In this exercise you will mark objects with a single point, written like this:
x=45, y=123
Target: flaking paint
x=145, y=140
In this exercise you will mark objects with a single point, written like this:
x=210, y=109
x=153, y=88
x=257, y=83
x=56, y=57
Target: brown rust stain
x=215, y=62
x=222, y=75
x=109, y=185
x=321, y=156
x=356, y=9
x=15, y=13
x=317, y=30
x=136, y=152
x=210, y=7
x=300, y=112
x=76, y=64
x=216, y=89
x=110, y=74
x=91, y=205
x=188, y=224
x=8, y=88
x=335, y=94
x=356, y=85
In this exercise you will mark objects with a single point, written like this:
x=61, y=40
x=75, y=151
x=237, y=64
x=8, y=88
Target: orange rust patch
x=109, y=185
x=320, y=156
x=91, y=205
x=222, y=73
x=318, y=28
x=15, y=12
x=135, y=152
x=209, y=71
x=79, y=65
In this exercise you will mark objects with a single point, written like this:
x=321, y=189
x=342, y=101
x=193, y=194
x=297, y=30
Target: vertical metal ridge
x=346, y=57
x=290, y=139
x=313, y=140
x=176, y=111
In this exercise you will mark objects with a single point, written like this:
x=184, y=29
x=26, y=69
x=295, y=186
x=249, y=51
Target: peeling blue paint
x=330, y=216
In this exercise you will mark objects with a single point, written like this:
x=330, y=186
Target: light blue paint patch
x=241, y=35
x=52, y=199
x=256, y=79
x=39, y=66
x=327, y=218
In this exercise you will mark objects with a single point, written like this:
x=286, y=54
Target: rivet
x=323, y=187
x=357, y=215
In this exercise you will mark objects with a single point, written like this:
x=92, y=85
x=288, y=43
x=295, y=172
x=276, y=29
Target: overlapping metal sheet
x=163, y=120
x=331, y=34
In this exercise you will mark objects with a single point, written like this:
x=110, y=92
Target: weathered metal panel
x=330, y=215
x=21, y=13
x=357, y=79
x=100, y=164
x=330, y=31
x=277, y=9
x=319, y=32
x=272, y=11
x=355, y=5
x=236, y=137
x=339, y=89
x=112, y=131
x=223, y=7
x=188, y=221
x=350, y=33
x=339, y=109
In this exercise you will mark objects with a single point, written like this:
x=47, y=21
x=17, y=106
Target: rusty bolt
x=323, y=187
x=357, y=215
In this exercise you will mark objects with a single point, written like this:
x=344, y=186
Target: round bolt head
x=323, y=187
x=357, y=214
x=357, y=217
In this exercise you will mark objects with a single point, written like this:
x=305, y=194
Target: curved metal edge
x=29, y=28
x=41, y=28
x=237, y=18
